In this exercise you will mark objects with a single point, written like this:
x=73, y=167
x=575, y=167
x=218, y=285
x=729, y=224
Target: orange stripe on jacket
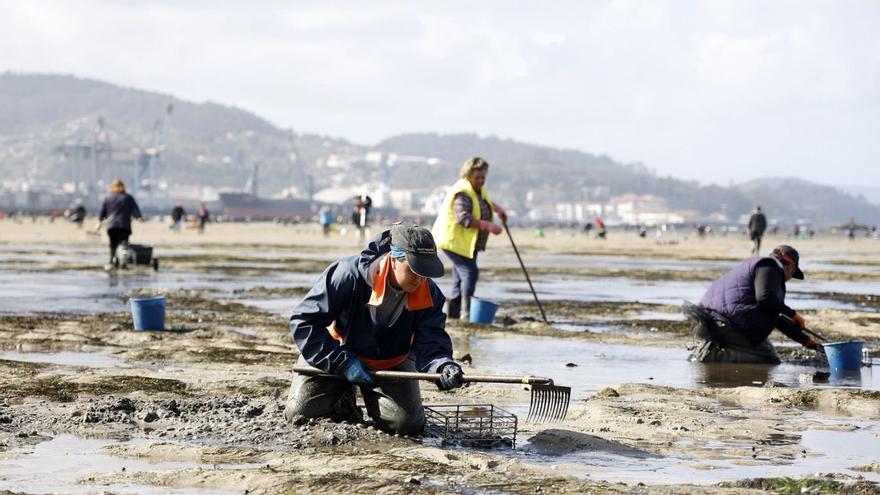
x=416, y=300
x=383, y=364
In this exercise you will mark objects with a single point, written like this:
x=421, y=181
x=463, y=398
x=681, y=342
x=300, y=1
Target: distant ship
x=242, y=205
x=247, y=205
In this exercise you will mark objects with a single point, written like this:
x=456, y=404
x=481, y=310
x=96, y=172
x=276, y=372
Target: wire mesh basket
x=471, y=425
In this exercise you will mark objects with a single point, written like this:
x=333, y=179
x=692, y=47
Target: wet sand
x=199, y=407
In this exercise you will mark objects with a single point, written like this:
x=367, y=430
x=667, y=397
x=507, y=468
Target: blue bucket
x=148, y=313
x=482, y=311
x=844, y=355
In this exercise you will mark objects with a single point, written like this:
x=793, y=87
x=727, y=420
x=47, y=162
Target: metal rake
x=549, y=402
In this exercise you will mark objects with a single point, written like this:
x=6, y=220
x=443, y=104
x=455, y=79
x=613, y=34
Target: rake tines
x=549, y=403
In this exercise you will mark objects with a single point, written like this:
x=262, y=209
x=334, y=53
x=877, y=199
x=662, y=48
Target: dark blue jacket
x=732, y=299
x=119, y=208
x=341, y=296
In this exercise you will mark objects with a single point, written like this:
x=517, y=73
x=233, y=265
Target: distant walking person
x=757, y=226
x=462, y=230
x=117, y=211
x=177, y=216
x=600, y=228
x=325, y=218
x=203, y=217
x=360, y=216
x=851, y=228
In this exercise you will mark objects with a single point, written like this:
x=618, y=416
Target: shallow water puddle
x=619, y=262
x=597, y=323
x=98, y=291
x=250, y=332
x=66, y=358
x=827, y=452
x=602, y=365
x=57, y=291
x=657, y=315
x=668, y=292
x=598, y=327
x=276, y=306
x=604, y=289
x=64, y=464
x=601, y=261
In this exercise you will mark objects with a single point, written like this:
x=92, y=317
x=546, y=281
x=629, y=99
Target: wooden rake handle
x=433, y=377
x=525, y=272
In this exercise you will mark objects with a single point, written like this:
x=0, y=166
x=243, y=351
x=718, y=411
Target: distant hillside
x=869, y=192
x=800, y=199
x=33, y=101
x=517, y=167
x=215, y=145
x=208, y=143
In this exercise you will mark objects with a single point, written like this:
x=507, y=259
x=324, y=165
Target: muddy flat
x=90, y=405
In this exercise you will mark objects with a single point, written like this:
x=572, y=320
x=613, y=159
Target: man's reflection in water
x=731, y=374
x=757, y=375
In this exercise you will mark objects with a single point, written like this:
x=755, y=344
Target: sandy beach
x=198, y=407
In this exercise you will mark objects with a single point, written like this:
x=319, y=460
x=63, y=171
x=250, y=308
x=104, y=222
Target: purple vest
x=732, y=300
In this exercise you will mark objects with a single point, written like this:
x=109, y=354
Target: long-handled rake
x=525, y=272
x=549, y=402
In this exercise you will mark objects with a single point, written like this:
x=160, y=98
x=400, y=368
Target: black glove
x=451, y=376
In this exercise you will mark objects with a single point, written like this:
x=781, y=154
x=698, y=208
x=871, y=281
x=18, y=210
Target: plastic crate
x=140, y=254
x=471, y=425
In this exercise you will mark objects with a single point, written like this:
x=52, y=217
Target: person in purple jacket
x=118, y=209
x=741, y=309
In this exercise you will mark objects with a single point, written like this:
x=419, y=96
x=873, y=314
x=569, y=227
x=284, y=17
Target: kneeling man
x=741, y=309
x=379, y=310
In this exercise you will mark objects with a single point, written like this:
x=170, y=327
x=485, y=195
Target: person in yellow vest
x=462, y=229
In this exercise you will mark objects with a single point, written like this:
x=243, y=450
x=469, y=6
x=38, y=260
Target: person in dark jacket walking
x=744, y=306
x=757, y=226
x=379, y=310
x=118, y=209
x=177, y=216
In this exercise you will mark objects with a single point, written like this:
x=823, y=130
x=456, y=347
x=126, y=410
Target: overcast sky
x=712, y=90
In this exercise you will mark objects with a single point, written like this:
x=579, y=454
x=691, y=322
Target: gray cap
x=421, y=251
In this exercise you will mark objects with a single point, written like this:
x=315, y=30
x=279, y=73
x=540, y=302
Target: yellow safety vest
x=447, y=232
